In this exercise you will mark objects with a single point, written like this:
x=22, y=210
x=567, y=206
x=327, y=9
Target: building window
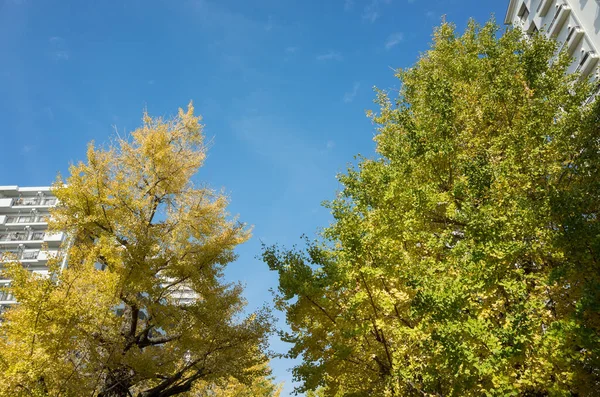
x=533, y=29
x=37, y=236
x=29, y=255
x=523, y=12
x=572, y=30
x=583, y=59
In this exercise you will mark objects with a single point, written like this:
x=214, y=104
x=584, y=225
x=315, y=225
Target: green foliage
x=126, y=330
x=464, y=260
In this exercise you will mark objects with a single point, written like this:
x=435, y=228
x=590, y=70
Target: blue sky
x=283, y=86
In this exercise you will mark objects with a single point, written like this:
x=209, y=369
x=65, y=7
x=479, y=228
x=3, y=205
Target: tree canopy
x=261, y=386
x=141, y=309
x=464, y=259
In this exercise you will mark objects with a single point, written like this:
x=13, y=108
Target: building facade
x=24, y=237
x=24, y=213
x=573, y=23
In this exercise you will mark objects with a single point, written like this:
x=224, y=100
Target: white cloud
x=233, y=31
x=330, y=56
x=61, y=55
x=393, y=40
x=372, y=10
x=330, y=144
x=58, y=49
x=49, y=113
x=349, y=96
x=269, y=25
x=348, y=5
x=289, y=53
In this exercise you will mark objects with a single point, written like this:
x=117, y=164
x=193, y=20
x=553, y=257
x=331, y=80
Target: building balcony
x=45, y=255
x=9, y=204
x=543, y=7
x=19, y=255
x=5, y=202
x=15, y=237
x=562, y=12
x=54, y=237
x=34, y=201
x=587, y=63
x=573, y=38
x=27, y=255
x=25, y=219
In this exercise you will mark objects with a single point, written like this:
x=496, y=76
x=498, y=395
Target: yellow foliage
x=261, y=386
x=141, y=309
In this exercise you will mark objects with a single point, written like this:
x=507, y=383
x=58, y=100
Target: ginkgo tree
x=464, y=260
x=141, y=309
x=261, y=386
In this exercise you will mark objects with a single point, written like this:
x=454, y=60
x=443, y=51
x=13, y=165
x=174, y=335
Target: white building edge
x=573, y=23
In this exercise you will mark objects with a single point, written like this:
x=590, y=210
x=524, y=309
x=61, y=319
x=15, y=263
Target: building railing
x=25, y=219
x=47, y=201
x=30, y=254
x=22, y=236
x=19, y=255
x=558, y=19
x=582, y=62
x=570, y=40
x=558, y=10
x=587, y=61
x=542, y=8
x=572, y=30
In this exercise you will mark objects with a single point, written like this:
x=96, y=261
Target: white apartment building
x=24, y=215
x=573, y=23
x=24, y=237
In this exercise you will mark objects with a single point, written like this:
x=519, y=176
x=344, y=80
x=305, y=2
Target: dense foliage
x=464, y=259
x=261, y=386
x=141, y=309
